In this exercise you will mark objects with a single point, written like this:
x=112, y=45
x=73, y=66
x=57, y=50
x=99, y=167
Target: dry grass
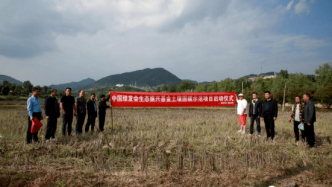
x=165, y=147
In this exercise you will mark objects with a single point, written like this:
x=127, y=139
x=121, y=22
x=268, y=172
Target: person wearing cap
x=297, y=117
x=92, y=113
x=255, y=110
x=34, y=110
x=52, y=112
x=102, y=106
x=242, y=112
x=269, y=114
x=80, y=112
x=67, y=106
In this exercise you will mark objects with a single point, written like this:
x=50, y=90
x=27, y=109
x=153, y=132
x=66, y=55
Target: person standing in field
x=34, y=110
x=92, y=113
x=269, y=114
x=242, y=112
x=80, y=112
x=102, y=106
x=309, y=118
x=52, y=113
x=67, y=105
x=255, y=110
x=297, y=117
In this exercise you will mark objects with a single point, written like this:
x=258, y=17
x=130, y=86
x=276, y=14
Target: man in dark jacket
x=102, y=111
x=67, y=106
x=255, y=109
x=269, y=114
x=92, y=113
x=52, y=112
x=309, y=118
x=80, y=112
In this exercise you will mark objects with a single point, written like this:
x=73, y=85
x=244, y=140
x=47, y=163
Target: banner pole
x=111, y=111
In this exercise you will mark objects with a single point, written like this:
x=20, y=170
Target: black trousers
x=91, y=122
x=296, y=131
x=254, y=118
x=310, y=133
x=51, y=128
x=29, y=134
x=79, y=123
x=101, y=122
x=269, y=126
x=67, y=120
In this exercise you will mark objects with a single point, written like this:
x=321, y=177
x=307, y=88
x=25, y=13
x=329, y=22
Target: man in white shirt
x=297, y=117
x=242, y=112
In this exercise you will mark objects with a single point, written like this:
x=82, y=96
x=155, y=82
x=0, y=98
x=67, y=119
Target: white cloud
x=301, y=7
x=193, y=39
x=290, y=5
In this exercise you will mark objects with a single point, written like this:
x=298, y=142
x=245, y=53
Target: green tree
x=246, y=85
x=299, y=81
x=164, y=88
x=277, y=84
x=213, y=87
x=158, y=89
x=186, y=86
x=171, y=88
x=5, y=90
x=324, y=75
x=279, y=96
x=283, y=73
x=201, y=88
x=227, y=85
x=262, y=85
x=27, y=87
x=324, y=96
x=18, y=90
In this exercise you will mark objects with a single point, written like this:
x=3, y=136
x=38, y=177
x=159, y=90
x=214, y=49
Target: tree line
x=318, y=85
x=12, y=89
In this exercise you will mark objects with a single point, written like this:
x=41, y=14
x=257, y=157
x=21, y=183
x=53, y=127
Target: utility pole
x=242, y=87
x=261, y=70
x=283, y=105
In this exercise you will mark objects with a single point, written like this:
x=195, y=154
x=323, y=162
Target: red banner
x=157, y=99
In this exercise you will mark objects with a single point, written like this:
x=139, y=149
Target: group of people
x=267, y=111
x=70, y=107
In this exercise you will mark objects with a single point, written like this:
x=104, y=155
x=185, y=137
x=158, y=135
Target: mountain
x=74, y=85
x=10, y=80
x=254, y=75
x=145, y=77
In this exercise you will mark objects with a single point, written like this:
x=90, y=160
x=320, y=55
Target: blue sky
x=70, y=40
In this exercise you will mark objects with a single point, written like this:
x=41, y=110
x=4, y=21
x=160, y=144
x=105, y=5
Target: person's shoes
x=53, y=139
x=240, y=130
x=243, y=132
x=250, y=134
x=259, y=135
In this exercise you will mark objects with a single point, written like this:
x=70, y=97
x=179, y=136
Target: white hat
x=240, y=95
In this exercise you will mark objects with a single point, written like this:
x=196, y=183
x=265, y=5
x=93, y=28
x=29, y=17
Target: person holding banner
x=102, y=106
x=80, y=112
x=92, y=113
x=34, y=110
x=297, y=117
x=269, y=114
x=242, y=112
x=52, y=112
